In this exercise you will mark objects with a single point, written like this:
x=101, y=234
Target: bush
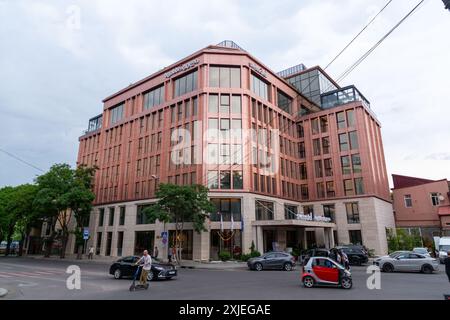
x=402, y=240
x=245, y=257
x=255, y=254
x=224, y=255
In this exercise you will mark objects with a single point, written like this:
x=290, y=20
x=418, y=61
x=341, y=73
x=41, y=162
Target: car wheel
x=427, y=269
x=117, y=274
x=150, y=276
x=287, y=266
x=258, y=266
x=346, y=283
x=308, y=282
x=388, y=267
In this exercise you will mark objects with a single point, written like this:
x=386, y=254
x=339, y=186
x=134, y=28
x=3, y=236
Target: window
x=303, y=171
x=434, y=198
x=329, y=211
x=328, y=164
x=213, y=105
x=304, y=191
x=194, y=107
x=343, y=142
x=213, y=179
x=340, y=119
x=224, y=77
x=408, y=201
x=264, y=210
x=213, y=129
x=101, y=217
x=301, y=150
x=355, y=237
x=116, y=113
x=260, y=87
x=345, y=165
x=320, y=190
x=154, y=97
x=351, y=118
x=225, y=154
x=324, y=124
x=330, y=189
x=111, y=216
x=359, y=186
x=224, y=128
x=308, y=210
x=356, y=163
x=141, y=217
x=290, y=212
x=316, y=147
x=236, y=154
x=352, y=212
x=348, y=188
x=225, y=208
x=353, y=140
x=122, y=216
x=225, y=103
x=326, y=145
x=284, y=101
x=237, y=180
x=315, y=125
x=236, y=132
x=318, y=168
x=225, y=180
x=236, y=104
x=186, y=84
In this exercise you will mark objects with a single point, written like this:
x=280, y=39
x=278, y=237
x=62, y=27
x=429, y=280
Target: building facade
x=422, y=205
x=288, y=164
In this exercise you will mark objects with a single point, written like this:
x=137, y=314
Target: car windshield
x=445, y=248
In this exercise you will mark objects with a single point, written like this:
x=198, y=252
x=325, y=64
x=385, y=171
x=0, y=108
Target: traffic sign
x=85, y=233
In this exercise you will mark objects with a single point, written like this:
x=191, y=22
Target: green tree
x=181, y=204
x=64, y=193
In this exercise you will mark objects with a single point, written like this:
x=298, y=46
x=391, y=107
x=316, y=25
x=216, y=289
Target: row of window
x=225, y=179
x=434, y=197
x=225, y=104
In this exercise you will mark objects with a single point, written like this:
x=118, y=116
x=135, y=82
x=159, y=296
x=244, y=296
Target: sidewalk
x=186, y=264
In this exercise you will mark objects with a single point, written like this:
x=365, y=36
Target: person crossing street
x=146, y=262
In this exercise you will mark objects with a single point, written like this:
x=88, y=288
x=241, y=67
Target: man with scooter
x=146, y=263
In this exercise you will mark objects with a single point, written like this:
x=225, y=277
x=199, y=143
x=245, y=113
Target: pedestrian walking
x=156, y=252
x=91, y=253
x=447, y=265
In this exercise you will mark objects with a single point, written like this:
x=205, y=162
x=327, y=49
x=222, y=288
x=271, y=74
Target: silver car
x=407, y=261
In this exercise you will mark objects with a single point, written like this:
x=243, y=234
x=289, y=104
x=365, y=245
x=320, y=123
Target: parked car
x=356, y=255
x=272, y=260
x=126, y=267
x=423, y=251
x=322, y=271
x=407, y=261
x=318, y=252
x=13, y=247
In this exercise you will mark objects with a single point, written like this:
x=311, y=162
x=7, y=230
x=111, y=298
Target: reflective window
x=352, y=212
x=359, y=186
x=351, y=118
x=154, y=97
x=225, y=77
x=356, y=163
x=343, y=142
x=225, y=180
x=284, y=101
x=186, y=84
x=353, y=140
x=340, y=119
x=260, y=87
x=264, y=210
x=225, y=208
x=348, y=187
x=116, y=113
x=236, y=105
x=213, y=105
x=213, y=179
x=345, y=164
x=237, y=180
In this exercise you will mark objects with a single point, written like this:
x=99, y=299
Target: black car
x=317, y=252
x=356, y=255
x=272, y=260
x=126, y=267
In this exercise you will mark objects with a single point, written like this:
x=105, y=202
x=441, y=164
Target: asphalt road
x=42, y=279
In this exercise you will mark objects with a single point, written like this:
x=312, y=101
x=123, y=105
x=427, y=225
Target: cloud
x=54, y=75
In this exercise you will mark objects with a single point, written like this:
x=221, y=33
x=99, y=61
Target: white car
x=407, y=261
x=423, y=251
x=444, y=248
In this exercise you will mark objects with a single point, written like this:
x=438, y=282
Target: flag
x=221, y=221
x=232, y=223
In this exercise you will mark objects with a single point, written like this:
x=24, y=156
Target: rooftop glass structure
x=342, y=96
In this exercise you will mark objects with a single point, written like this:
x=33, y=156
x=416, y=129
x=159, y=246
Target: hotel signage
x=309, y=217
x=258, y=69
x=181, y=68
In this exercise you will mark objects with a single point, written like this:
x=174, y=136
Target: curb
x=3, y=292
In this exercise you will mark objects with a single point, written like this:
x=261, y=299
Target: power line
x=21, y=160
x=365, y=55
x=359, y=33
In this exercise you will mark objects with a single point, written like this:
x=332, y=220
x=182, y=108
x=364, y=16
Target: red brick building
x=295, y=159
x=422, y=205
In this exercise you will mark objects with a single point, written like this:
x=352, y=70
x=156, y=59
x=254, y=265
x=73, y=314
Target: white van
x=444, y=247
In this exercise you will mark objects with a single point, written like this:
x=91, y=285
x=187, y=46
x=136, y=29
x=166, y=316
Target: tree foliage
x=181, y=204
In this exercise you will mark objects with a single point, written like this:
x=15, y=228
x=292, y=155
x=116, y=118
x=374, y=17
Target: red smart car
x=322, y=271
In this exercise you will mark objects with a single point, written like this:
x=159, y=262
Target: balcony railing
x=342, y=96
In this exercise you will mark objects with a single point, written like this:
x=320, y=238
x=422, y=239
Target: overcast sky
x=59, y=59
